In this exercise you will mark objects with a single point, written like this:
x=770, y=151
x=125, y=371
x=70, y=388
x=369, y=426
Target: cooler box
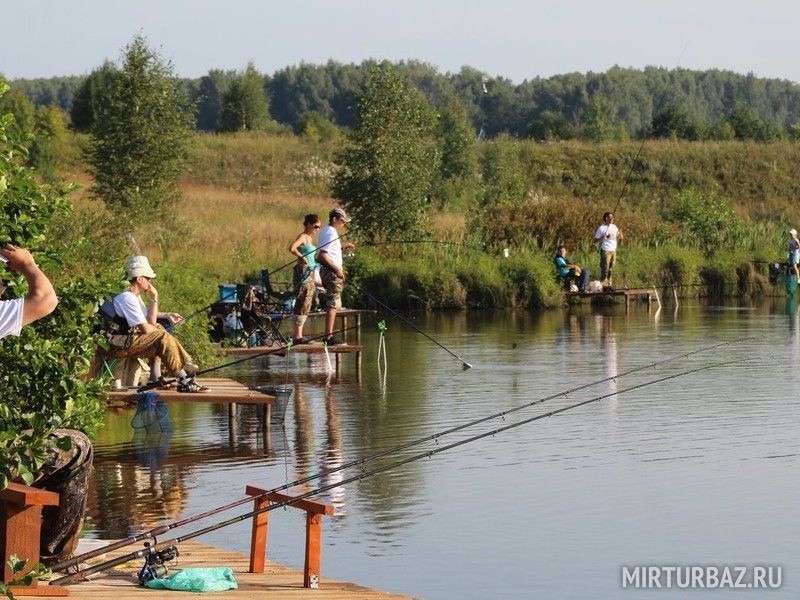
x=227, y=292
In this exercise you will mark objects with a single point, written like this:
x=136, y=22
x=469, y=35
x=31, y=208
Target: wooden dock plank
x=632, y=292
x=277, y=581
x=300, y=348
x=221, y=390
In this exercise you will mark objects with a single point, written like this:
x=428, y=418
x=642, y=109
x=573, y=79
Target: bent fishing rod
x=103, y=566
x=464, y=364
x=160, y=530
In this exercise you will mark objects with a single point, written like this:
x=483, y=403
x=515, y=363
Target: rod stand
x=313, y=551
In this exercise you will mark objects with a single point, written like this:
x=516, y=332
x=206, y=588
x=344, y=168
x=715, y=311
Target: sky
x=517, y=39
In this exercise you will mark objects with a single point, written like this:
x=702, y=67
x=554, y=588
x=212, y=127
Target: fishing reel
x=155, y=566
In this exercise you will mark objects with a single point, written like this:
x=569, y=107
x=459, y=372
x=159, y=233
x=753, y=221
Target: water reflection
x=680, y=472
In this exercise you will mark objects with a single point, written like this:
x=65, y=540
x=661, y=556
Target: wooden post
x=313, y=562
x=20, y=530
x=258, y=540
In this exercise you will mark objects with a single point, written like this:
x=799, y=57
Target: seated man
x=148, y=339
x=571, y=272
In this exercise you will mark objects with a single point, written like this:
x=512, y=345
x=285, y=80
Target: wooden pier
x=627, y=293
x=221, y=391
x=277, y=581
x=343, y=316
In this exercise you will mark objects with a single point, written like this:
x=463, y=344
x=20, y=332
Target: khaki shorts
x=305, y=297
x=333, y=288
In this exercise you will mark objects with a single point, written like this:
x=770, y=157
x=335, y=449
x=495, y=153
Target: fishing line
x=464, y=364
x=82, y=574
x=361, y=461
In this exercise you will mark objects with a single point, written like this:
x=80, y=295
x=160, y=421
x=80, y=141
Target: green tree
x=92, y=91
x=140, y=135
x=51, y=133
x=387, y=165
x=17, y=104
x=747, y=126
x=504, y=190
x=672, y=121
x=316, y=127
x=706, y=221
x=245, y=106
x=551, y=126
x=458, y=142
x=456, y=184
x=599, y=124
x=41, y=369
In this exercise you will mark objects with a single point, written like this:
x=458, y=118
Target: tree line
x=620, y=103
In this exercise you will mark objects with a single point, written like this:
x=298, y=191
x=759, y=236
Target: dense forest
x=618, y=104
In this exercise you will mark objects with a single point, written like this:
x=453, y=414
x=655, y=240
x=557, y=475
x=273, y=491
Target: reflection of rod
x=80, y=575
x=164, y=528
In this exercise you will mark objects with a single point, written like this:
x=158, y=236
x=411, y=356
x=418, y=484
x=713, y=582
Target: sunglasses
x=317, y=226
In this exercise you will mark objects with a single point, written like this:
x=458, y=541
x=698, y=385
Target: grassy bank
x=244, y=197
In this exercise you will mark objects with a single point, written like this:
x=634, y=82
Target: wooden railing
x=258, y=541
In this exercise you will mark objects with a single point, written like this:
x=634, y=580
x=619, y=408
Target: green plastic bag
x=200, y=579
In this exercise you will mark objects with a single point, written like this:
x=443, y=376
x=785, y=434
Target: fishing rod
x=82, y=574
x=152, y=533
x=628, y=176
x=464, y=364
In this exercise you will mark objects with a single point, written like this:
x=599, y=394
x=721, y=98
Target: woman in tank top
x=305, y=287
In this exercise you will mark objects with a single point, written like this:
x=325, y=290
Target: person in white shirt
x=607, y=236
x=329, y=258
x=40, y=300
x=148, y=339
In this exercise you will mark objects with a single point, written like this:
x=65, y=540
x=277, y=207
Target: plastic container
x=228, y=293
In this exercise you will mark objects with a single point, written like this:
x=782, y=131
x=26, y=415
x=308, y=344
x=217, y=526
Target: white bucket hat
x=793, y=231
x=139, y=266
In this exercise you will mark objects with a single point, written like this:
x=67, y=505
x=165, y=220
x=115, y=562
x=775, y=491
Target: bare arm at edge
x=41, y=299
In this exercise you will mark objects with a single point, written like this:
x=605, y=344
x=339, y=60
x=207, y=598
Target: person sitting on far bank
x=305, y=275
x=329, y=257
x=570, y=272
x=794, y=252
x=607, y=236
x=40, y=300
x=148, y=338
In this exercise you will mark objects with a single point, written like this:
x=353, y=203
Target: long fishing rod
x=630, y=172
x=464, y=364
x=82, y=574
x=152, y=533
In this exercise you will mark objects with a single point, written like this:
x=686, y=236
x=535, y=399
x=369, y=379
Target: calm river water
x=701, y=469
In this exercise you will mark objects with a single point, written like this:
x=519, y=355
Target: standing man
x=607, y=235
x=329, y=257
x=39, y=302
